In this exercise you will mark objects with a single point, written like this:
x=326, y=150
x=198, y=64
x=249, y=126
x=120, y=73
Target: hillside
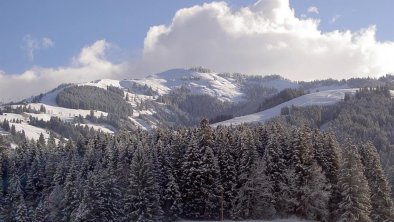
x=321, y=98
x=174, y=98
x=178, y=97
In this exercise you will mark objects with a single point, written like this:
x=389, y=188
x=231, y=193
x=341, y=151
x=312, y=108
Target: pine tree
x=199, y=182
x=313, y=193
x=275, y=168
x=330, y=163
x=382, y=205
x=172, y=200
x=246, y=162
x=356, y=203
x=72, y=191
x=255, y=199
x=101, y=197
x=227, y=170
x=142, y=197
x=18, y=201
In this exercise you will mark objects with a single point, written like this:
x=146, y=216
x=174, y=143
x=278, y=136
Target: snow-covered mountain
x=172, y=98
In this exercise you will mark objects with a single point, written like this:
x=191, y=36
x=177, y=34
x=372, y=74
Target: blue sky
x=73, y=24
x=45, y=43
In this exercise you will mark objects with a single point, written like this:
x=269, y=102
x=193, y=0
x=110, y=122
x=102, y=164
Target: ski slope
x=318, y=98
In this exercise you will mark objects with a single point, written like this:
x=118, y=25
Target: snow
x=64, y=114
x=31, y=132
x=103, y=83
x=50, y=98
x=199, y=83
x=141, y=124
x=41, y=116
x=319, y=98
x=12, y=116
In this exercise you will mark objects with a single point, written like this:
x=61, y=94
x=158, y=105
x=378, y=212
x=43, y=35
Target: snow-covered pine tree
x=227, y=170
x=72, y=190
x=20, y=210
x=330, y=162
x=355, y=203
x=255, y=199
x=211, y=184
x=247, y=159
x=382, y=205
x=313, y=192
x=171, y=199
x=142, y=198
x=193, y=187
x=100, y=197
x=275, y=168
x=35, y=178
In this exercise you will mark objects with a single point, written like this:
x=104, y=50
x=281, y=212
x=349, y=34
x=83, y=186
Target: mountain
x=174, y=98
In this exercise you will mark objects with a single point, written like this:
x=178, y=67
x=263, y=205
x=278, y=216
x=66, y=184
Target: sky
x=48, y=42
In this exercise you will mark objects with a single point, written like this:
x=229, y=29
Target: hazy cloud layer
x=89, y=65
x=264, y=38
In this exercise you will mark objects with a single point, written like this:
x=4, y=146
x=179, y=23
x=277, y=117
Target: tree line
x=204, y=173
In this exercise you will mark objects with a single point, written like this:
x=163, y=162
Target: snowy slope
x=199, y=83
x=31, y=132
x=318, y=98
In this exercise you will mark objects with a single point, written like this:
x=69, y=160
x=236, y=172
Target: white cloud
x=90, y=64
x=264, y=38
x=334, y=19
x=313, y=9
x=31, y=44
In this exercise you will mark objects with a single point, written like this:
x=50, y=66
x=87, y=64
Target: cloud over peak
x=264, y=38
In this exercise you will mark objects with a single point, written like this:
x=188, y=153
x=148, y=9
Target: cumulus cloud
x=264, y=38
x=31, y=45
x=90, y=64
x=313, y=9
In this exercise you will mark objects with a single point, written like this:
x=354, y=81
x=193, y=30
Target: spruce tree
x=356, y=203
x=20, y=210
x=382, y=205
x=255, y=199
x=312, y=194
x=275, y=168
x=330, y=163
x=200, y=182
x=143, y=202
x=228, y=178
x=172, y=200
